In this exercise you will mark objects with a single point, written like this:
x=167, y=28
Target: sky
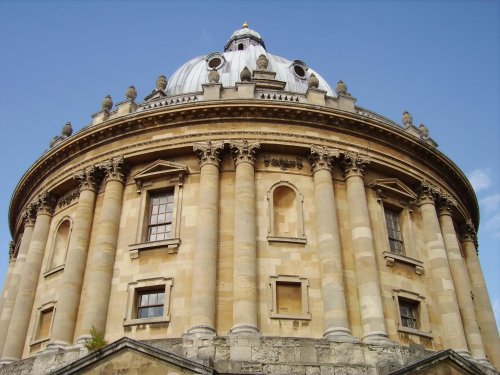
x=440, y=60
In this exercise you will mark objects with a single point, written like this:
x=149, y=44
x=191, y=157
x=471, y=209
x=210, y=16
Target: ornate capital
x=114, y=169
x=322, y=157
x=46, y=203
x=12, y=250
x=446, y=204
x=208, y=152
x=354, y=164
x=88, y=178
x=29, y=215
x=244, y=152
x=427, y=193
x=468, y=232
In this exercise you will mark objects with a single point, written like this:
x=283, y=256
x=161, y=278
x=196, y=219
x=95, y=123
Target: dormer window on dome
x=299, y=69
x=215, y=61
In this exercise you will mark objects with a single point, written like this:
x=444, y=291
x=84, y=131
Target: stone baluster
x=245, y=242
x=370, y=299
x=100, y=268
x=63, y=327
x=204, y=270
x=335, y=321
x=28, y=282
x=460, y=278
x=440, y=271
x=481, y=300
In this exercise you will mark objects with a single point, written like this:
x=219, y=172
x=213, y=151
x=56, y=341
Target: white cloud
x=493, y=225
x=490, y=203
x=480, y=179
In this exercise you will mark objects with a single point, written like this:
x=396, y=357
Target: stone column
x=21, y=313
x=335, y=322
x=481, y=300
x=63, y=326
x=10, y=271
x=460, y=278
x=100, y=268
x=370, y=299
x=245, y=242
x=440, y=271
x=204, y=279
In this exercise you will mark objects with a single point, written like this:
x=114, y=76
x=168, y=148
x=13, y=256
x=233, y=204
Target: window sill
x=172, y=246
x=414, y=331
x=53, y=270
x=39, y=341
x=137, y=322
x=291, y=316
x=391, y=258
x=302, y=240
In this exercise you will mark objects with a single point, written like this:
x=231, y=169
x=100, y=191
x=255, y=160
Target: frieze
x=67, y=199
x=282, y=163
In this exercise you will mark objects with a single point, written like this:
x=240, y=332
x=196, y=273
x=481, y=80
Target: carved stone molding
x=468, y=232
x=322, y=157
x=88, y=178
x=282, y=163
x=67, y=198
x=46, y=203
x=427, y=193
x=446, y=204
x=208, y=152
x=244, y=152
x=354, y=164
x=29, y=215
x=114, y=169
x=12, y=250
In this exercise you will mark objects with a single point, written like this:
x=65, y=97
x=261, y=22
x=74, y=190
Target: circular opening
x=299, y=71
x=215, y=62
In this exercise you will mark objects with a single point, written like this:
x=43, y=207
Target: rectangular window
x=289, y=298
x=43, y=330
x=394, y=231
x=160, y=216
x=150, y=303
x=408, y=311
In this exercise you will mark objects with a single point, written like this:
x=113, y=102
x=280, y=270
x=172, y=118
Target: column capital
x=29, y=215
x=468, y=232
x=446, y=204
x=427, y=193
x=354, y=164
x=12, y=250
x=208, y=152
x=244, y=152
x=88, y=178
x=322, y=157
x=114, y=169
x=46, y=203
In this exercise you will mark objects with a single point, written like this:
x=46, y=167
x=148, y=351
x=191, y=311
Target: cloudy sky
x=438, y=59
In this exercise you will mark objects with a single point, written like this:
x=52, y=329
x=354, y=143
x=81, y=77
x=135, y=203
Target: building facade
x=246, y=218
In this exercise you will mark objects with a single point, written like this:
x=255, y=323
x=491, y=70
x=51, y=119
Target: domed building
x=245, y=218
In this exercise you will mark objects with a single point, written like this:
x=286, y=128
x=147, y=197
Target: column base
x=8, y=360
x=339, y=334
x=244, y=330
x=82, y=340
x=377, y=338
x=201, y=330
x=56, y=345
x=464, y=353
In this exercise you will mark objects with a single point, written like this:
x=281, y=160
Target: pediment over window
x=160, y=168
x=392, y=186
x=137, y=356
x=156, y=94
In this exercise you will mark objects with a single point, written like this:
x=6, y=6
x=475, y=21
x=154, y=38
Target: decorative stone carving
x=208, y=152
x=341, y=88
x=407, y=119
x=468, y=232
x=161, y=83
x=424, y=131
x=354, y=164
x=322, y=157
x=213, y=76
x=66, y=131
x=427, y=193
x=88, y=178
x=131, y=93
x=262, y=62
x=107, y=103
x=66, y=199
x=283, y=164
x=313, y=81
x=114, y=169
x=245, y=75
x=446, y=203
x=46, y=203
x=29, y=215
x=243, y=151
x=12, y=250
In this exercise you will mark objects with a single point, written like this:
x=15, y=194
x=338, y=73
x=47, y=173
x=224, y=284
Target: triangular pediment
x=446, y=362
x=392, y=186
x=126, y=355
x=156, y=94
x=160, y=168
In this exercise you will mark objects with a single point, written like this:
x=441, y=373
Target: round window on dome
x=215, y=61
x=299, y=68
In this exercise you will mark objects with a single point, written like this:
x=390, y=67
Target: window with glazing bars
x=150, y=303
x=408, y=311
x=394, y=231
x=160, y=216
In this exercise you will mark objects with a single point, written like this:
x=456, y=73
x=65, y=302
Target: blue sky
x=438, y=59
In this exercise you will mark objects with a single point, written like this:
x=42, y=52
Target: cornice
x=92, y=137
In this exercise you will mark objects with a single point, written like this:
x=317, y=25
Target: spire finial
x=245, y=25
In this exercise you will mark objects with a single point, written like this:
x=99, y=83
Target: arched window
x=285, y=214
x=60, y=245
x=241, y=47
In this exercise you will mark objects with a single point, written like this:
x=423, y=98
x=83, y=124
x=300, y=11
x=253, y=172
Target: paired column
x=21, y=313
x=204, y=279
x=335, y=322
x=370, y=299
x=440, y=270
x=481, y=299
x=76, y=260
x=11, y=291
x=10, y=271
x=245, y=243
x=100, y=270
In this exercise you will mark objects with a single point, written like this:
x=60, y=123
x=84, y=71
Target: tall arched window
x=285, y=214
x=60, y=245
